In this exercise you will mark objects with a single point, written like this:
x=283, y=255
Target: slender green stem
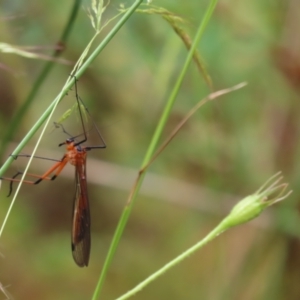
x=68, y=85
x=213, y=234
x=153, y=144
x=244, y=211
x=16, y=121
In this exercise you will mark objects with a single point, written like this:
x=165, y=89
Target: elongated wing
x=81, y=237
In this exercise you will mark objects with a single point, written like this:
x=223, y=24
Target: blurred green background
x=225, y=152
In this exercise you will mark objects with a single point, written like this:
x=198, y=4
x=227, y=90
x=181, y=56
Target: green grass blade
x=153, y=144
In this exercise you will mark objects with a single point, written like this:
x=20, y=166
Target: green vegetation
x=140, y=75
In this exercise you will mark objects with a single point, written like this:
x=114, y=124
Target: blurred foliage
x=229, y=147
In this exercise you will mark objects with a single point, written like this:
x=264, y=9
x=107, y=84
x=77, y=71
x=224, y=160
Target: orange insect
x=76, y=155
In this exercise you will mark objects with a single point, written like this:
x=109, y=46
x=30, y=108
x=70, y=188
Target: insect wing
x=81, y=238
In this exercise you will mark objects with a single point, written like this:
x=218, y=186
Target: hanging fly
x=76, y=154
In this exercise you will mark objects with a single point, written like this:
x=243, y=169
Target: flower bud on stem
x=252, y=206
